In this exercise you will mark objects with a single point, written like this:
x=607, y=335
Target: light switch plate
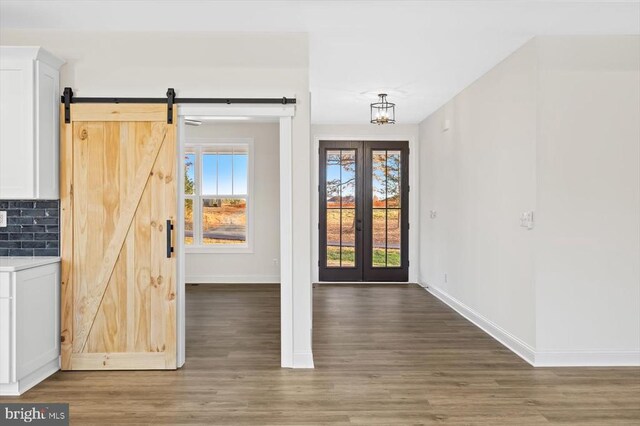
x=3, y=219
x=526, y=220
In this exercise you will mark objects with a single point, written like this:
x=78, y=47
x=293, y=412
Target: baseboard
x=593, y=358
x=588, y=359
x=30, y=380
x=9, y=389
x=365, y=282
x=232, y=279
x=514, y=344
x=303, y=360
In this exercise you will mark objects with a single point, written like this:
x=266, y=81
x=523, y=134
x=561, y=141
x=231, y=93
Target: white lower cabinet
x=29, y=323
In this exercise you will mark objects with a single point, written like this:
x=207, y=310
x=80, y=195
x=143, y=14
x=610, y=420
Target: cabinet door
x=47, y=131
x=5, y=340
x=37, y=316
x=16, y=132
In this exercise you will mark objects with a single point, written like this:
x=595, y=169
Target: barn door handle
x=169, y=234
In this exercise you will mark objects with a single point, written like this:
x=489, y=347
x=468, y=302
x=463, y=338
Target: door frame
x=285, y=114
x=414, y=180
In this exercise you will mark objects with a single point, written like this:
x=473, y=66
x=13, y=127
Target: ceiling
x=419, y=52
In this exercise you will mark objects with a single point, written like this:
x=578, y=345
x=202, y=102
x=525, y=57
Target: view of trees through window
x=341, y=207
x=386, y=208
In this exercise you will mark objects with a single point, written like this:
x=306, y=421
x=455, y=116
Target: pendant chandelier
x=383, y=112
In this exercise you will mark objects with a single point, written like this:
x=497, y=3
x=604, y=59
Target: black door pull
x=169, y=234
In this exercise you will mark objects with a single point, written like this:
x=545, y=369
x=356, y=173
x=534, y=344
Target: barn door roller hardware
x=67, y=99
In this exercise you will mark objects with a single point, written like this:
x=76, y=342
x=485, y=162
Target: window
x=217, y=192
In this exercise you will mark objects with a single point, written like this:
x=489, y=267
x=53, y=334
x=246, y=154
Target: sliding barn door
x=118, y=200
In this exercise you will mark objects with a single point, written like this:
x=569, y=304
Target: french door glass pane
x=386, y=188
x=348, y=178
x=348, y=242
x=378, y=179
x=224, y=221
x=393, y=179
x=379, y=238
x=189, y=173
x=340, y=171
x=393, y=238
x=333, y=238
x=188, y=221
x=333, y=179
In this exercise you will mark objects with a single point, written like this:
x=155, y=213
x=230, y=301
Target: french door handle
x=169, y=234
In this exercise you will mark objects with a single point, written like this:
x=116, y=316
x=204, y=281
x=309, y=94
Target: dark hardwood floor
x=384, y=355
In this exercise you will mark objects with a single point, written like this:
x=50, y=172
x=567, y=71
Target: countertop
x=18, y=263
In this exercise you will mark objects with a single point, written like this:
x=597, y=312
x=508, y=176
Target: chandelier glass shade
x=383, y=112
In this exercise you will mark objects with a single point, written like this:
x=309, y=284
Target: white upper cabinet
x=29, y=126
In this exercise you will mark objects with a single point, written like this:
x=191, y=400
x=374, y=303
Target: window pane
x=348, y=178
x=393, y=238
x=240, y=162
x=348, y=257
x=209, y=168
x=189, y=173
x=348, y=238
x=333, y=237
x=224, y=221
x=333, y=179
x=225, y=165
x=393, y=179
x=188, y=221
x=378, y=181
x=379, y=238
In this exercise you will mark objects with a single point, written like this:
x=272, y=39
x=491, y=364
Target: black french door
x=364, y=214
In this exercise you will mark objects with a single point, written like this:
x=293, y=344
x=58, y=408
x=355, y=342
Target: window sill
x=218, y=250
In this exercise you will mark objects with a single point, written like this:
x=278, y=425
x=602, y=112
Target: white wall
x=202, y=64
x=263, y=264
x=588, y=221
x=370, y=130
x=360, y=132
x=555, y=128
x=478, y=177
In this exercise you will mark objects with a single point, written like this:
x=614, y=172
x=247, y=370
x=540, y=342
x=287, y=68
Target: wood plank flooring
x=384, y=355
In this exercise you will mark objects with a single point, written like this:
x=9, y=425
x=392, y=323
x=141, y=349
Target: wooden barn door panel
x=119, y=190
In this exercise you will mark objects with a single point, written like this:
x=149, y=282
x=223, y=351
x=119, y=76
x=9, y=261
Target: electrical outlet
x=433, y=214
x=3, y=219
x=275, y=261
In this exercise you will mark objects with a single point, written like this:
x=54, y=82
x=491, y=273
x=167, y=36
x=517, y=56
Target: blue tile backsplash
x=32, y=228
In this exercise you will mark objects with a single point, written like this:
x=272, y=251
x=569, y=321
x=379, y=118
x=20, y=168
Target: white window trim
x=200, y=145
